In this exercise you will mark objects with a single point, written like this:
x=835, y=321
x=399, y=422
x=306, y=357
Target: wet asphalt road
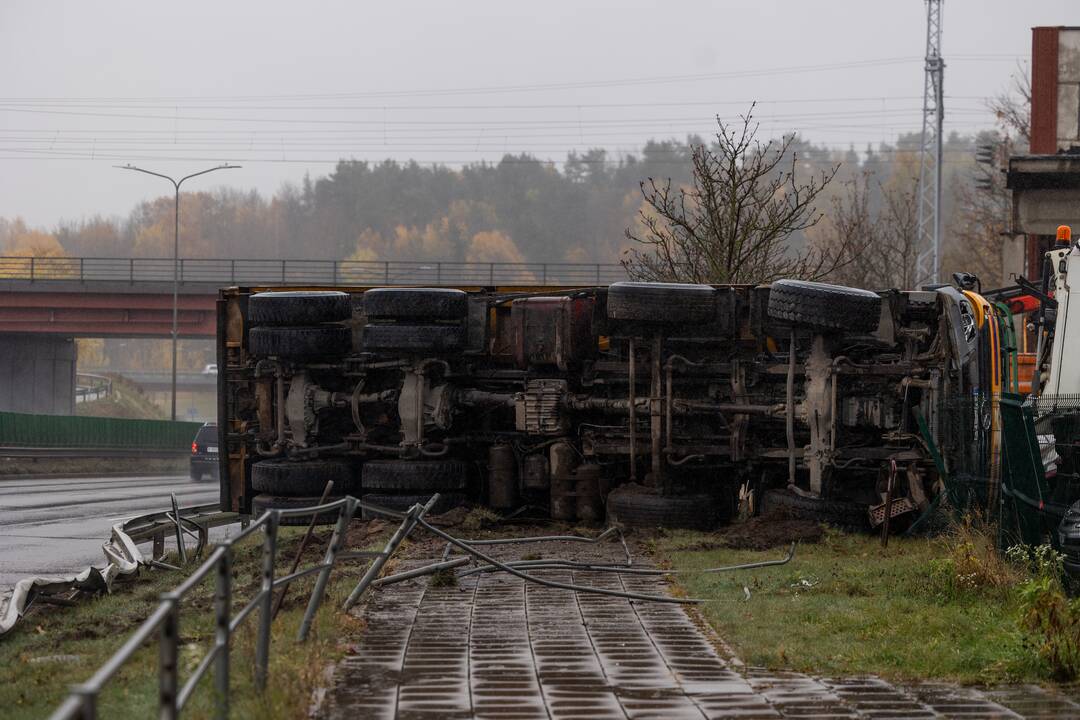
x=57, y=525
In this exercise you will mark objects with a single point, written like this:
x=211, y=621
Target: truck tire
x=826, y=307
x=414, y=475
x=303, y=478
x=661, y=302
x=299, y=307
x=416, y=304
x=644, y=509
x=300, y=342
x=261, y=503
x=401, y=503
x=413, y=338
x=841, y=513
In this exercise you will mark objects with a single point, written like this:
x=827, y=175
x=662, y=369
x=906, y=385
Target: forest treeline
x=518, y=209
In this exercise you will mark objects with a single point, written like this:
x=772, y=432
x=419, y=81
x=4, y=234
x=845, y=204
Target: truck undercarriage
x=654, y=403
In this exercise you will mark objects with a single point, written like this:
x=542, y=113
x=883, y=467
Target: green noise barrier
x=70, y=431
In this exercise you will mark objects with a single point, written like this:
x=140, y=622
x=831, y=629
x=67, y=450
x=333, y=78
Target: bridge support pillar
x=37, y=374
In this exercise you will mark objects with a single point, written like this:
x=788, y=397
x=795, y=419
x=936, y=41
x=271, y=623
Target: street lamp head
x=176, y=252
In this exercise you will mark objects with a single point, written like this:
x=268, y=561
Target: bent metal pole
x=415, y=515
x=552, y=583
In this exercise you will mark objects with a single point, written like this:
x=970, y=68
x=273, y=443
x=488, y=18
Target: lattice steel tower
x=928, y=263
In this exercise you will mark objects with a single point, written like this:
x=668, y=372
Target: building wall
x=1055, y=89
x=1068, y=109
x=37, y=374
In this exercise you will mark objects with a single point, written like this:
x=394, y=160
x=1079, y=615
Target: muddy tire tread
x=305, y=478
x=414, y=475
x=823, y=306
x=291, y=308
x=416, y=304
x=300, y=342
x=639, y=509
x=661, y=302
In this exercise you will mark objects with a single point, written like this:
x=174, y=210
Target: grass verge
x=83, y=466
x=127, y=400
x=943, y=609
x=56, y=647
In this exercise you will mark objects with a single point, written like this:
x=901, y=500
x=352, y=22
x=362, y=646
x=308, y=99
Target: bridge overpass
x=132, y=297
x=45, y=302
x=77, y=311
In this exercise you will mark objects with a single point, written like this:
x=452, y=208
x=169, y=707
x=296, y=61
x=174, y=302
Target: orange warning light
x=1064, y=235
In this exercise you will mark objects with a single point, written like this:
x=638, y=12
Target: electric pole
x=928, y=263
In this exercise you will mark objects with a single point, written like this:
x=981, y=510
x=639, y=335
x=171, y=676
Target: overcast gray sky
x=288, y=88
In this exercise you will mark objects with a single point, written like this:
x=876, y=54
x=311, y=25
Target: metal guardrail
x=82, y=703
x=89, y=386
x=19, y=451
x=237, y=271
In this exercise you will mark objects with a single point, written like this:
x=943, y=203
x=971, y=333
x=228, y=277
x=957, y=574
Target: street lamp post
x=176, y=255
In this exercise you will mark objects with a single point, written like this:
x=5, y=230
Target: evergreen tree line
x=519, y=209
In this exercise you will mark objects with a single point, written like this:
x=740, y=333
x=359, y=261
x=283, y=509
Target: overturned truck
x=655, y=403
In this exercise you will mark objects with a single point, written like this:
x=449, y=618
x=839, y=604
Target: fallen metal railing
x=82, y=702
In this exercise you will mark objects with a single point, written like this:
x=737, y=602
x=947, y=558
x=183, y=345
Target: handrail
x=301, y=271
x=81, y=704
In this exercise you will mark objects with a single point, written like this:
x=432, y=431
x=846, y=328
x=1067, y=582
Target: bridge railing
x=89, y=386
x=253, y=271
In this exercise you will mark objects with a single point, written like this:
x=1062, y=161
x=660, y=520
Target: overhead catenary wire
x=567, y=85
x=382, y=121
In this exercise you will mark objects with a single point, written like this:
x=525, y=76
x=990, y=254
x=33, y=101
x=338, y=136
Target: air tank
x=502, y=478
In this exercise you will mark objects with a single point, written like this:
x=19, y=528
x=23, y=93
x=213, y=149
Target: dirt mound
x=764, y=532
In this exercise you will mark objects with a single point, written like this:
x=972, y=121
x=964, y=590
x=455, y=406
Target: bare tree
x=847, y=233
x=1013, y=106
x=735, y=221
x=872, y=245
x=898, y=231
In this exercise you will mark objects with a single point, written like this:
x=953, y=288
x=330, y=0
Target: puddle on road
x=494, y=648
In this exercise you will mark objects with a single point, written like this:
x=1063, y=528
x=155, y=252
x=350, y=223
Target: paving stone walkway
x=496, y=647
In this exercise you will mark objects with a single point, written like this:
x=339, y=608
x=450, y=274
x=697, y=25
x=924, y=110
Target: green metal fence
x=69, y=431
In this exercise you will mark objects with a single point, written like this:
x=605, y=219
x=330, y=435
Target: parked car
x=204, y=453
x=210, y=369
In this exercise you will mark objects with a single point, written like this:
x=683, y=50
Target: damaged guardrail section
x=164, y=621
x=121, y=553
